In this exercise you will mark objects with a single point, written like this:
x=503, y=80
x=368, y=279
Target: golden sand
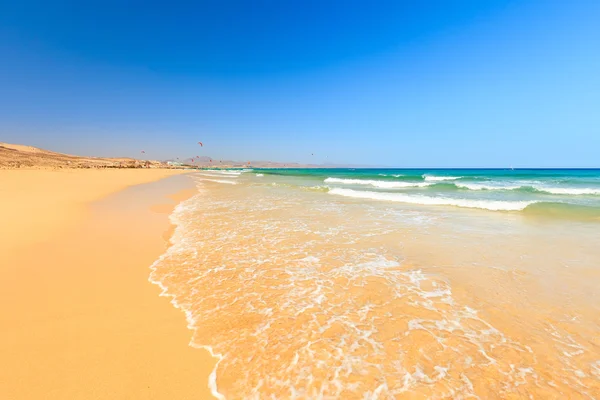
x=79, y=320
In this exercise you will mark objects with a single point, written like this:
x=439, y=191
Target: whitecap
x=440, y=178
x=494, y=205
x=481, y=186
x=571, y=191
x=537, y=187
x=375, y=183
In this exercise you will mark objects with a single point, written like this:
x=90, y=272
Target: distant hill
x=20, y=156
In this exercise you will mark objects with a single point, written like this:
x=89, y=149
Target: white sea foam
x=494, y=205
x=572, y=191
x=228, y=172
x=483, y=186
x=595, y=369
x=260, y=175
x=214, y=172
x=234, y=173
x=433, y=178
x=375, y=183
x=310, y=259
x=215, y=175
x=219, y=181
x=520, y=185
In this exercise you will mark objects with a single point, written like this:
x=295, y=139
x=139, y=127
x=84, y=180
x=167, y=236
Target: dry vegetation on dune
x=19, y=156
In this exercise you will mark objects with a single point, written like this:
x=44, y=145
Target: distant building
x=175, y=163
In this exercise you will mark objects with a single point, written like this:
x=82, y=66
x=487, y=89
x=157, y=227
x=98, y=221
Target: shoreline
x=164, y=292
x=81, y=319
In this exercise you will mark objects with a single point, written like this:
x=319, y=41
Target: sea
x=391, y=283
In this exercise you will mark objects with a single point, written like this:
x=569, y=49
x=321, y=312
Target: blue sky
x=397, y=83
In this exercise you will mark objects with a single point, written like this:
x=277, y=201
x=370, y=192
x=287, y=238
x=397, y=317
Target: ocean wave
x=375, y=183
x=573, y=191
x=233, y=173
x=493, y=205
x=480, y=186
x=433, y=178
x=260, y=174
x=527, y=187
x=229, y=171
x=217, y=172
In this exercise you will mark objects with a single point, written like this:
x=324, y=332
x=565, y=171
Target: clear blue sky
x=402, y=83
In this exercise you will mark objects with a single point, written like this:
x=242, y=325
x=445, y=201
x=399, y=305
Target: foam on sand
x=218, y=181
x=217, y=175
x=318, y=319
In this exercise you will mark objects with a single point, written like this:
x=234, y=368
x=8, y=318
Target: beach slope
x=79, y=320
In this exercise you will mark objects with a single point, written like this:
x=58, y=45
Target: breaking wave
x=433, y=178
x=494, y=205
x=376, y=183
x=529, y=188
x=568, y=191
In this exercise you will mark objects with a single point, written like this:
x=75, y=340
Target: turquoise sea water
x=561, y=193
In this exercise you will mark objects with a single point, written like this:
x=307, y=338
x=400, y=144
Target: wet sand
x=79, y=319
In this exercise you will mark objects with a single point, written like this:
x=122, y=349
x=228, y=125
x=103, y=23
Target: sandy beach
x=300, y=200
x=80, y=319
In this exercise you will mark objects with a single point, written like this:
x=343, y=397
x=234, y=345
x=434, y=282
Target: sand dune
x=21, y=156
